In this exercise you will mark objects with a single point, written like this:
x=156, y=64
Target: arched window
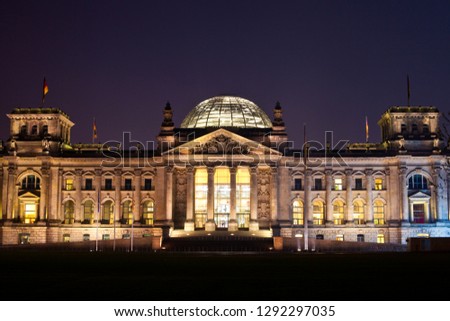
x=88, y=212
x=44, y=130
x=243, y=197
x=127, y=213
x=318, y=212
x=425, y=129
x=338, y=212
x=31, y=182
x=23, y=130
x=358, y=212
x=34, y=130
x=108, y=213
x=148, y=209
x=415, y=131
x=297, y=212
x=417, y=182
x=403, y=129
x=69, y=209
x=201, y=197
x=378, y=212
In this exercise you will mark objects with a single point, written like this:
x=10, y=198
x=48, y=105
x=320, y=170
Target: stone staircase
x=218, y=241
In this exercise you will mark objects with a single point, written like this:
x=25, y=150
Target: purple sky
x=329, y=63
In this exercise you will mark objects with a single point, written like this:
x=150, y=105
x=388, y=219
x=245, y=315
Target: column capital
x=308, y=172
x=60, y=171
x=98, y=172
x=348, y=172
x=387, y=171
x=169, y=169
x=137, y=172
x=190, y=169
x=402, y=170
x=45, y=171
x=210, y=170
x=117, y=172
x=328, y=172
x=274, y=170
x=436, y=169
x=368, y=172
x=253, y=170
x=12, y=169
x=78, y=172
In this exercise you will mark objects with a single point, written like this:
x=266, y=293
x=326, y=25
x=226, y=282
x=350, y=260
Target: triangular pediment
x=419, y=196
x=222, y=142
x=29, y=195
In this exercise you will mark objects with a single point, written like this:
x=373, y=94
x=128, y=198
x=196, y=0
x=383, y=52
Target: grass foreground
x=74, y=276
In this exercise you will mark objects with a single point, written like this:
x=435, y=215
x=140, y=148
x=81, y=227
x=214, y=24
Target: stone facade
x=224, y=179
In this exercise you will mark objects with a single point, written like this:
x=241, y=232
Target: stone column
x=348, y=195
x=446, y=215
x=98, y=199
x=53, y=200
x=404, y=195
x=169, y=194
x=12, y=177
x=307, y=209
x=369, y=195
x=78, y=196
x=440, y=177
x=137, y=195
x=284, y=193
x=60, y=213
x=274, y=197
x=43, y=201
x=4, y=192
x=189, y=225
x=254, y=225
x=328, y=186
x=210, y=224
x=117, y=198
x=387, y=213
x=233, y=225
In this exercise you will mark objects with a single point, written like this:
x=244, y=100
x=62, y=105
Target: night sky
x=329, y=63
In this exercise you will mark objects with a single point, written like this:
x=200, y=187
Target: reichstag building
x=227, y=167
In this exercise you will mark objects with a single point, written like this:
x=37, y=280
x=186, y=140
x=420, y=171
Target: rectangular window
x=24, y=238
x=86, y=237
x=69, y=184
x=340, y=237
x=360, y=238
x=105, y=237
x=128, y=184
x=108, y=184
x=297, y=184
x=358, y=184
x=66, y=237
x=147, y=184
x=378, y=184
x=318, y=184
x=338, y=184
x=88, y=184
x=380, y=238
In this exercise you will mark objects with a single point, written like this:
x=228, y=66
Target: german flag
x=94, y=131
x=44, y=90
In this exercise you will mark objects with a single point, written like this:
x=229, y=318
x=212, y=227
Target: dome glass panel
x=227, y=111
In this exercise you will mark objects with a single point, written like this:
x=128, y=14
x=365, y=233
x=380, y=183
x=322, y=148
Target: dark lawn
x=45, y=275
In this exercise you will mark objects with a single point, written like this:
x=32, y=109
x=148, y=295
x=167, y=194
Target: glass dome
x=227, y=111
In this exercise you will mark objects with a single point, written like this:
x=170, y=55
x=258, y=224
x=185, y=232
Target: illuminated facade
x=228, y=167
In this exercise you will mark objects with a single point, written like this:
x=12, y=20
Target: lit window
x=30, y=214
x=378, y=184
x=24, y=238
x=108, y=213
x=68, y=185
x=66, y=237
x=221, y=197
x=318, y=213
x=297, y=212
x=358, y=212
x=243, y=197
x=338, y=184
x=147, y=212
x=378, y=213
x=338, y=212
x=88, y=211
x=69, y=209
x=380, y=238
x=340, y=237
x=127, y=213
x=201, y=197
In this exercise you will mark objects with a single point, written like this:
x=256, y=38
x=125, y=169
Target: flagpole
x=305, y=217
